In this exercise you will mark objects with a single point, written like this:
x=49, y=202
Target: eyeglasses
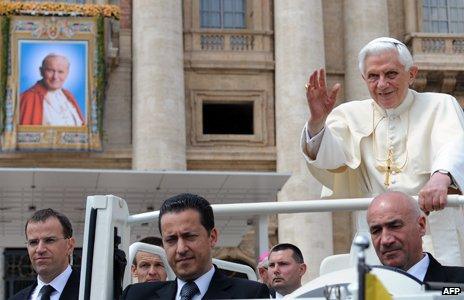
x=48, y=241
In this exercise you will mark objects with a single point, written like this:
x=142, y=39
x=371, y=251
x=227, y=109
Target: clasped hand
x=433, y=196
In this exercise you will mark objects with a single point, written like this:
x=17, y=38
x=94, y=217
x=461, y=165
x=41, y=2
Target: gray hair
x=382, y=45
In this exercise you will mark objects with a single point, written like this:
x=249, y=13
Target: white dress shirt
x=278, y=296
x=420, y=268
x=202, y=283
x=58, y=283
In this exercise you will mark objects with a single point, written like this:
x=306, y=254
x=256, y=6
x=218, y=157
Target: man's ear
x=71, y=245
x=303, y=268
x=412, y=74
x=134, y=270
x=422, y=223
x=213, y=236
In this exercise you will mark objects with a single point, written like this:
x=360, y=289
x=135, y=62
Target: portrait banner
x=51, y=91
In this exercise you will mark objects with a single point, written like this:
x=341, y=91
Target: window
x=222, y=13
x=224, y=117
x=228, y=118
x=443, y=16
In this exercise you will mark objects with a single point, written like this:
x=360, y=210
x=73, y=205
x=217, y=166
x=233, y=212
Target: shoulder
x=249, y=288
x=246, y=282
x=438, y=272
x=352, y=112
x=454, y=274
x=144, y=290
x=354, y=106
x=24, y=293
x=37, y=88
x=433, y=99
x=74, y=278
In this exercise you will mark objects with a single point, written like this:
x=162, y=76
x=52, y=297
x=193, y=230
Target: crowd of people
x=397, y=144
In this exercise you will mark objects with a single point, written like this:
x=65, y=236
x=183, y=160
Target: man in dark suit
x=186, y=223
x=397, y=226
x=50, y=244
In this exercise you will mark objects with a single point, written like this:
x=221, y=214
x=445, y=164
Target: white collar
x=58, y=283
x=279, y=296
x=420, y=268
x=202, y=282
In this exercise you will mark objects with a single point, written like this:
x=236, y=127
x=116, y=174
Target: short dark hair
x=47, y=213
x=186, y=201
x=297, y=255
x=152, y=240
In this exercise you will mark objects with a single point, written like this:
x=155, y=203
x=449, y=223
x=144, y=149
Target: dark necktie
x=46, y=291
x=189, y=290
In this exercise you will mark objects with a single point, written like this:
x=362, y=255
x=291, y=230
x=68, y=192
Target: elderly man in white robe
x=399, y=140
x=47, y=102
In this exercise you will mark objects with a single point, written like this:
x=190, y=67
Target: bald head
x=395, y=200
x=397, y=225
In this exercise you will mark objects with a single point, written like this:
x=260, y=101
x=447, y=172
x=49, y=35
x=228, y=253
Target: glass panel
x=229, y=5
x=434, y=14
x=442, y=13
x=210, y=14
x=234, y=14
x=443, y=27
x=222, y=13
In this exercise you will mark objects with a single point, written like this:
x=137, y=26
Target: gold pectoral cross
x=388, y=168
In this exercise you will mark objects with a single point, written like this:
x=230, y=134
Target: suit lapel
x=434, y=271
x=28, y=292
x=71, y=289
x=218, y=286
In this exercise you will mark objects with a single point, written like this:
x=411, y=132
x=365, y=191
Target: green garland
x=101, y=72
x=5, y=31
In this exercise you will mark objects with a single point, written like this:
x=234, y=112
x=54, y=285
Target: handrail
x=304, y=206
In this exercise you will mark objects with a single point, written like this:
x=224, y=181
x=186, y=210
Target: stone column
x=410, y=16
x=364, y=20
x=299, y=49
x=158, y=133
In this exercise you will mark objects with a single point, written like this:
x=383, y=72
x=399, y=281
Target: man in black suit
x=397, y=225
x=186, y=223
x=50, y=244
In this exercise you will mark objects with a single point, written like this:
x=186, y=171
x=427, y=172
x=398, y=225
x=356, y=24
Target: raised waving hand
x=320, y=100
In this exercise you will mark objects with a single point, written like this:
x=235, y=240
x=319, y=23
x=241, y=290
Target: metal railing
x=267, y=208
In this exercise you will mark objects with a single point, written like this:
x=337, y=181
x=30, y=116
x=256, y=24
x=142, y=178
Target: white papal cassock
x=425, y=133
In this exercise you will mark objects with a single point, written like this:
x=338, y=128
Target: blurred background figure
x=146, y=266
x=263, y=264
